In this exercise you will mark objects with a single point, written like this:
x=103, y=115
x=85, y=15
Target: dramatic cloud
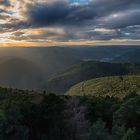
x=67, y=20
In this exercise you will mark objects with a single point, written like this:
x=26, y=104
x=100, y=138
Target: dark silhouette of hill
x=50, y=61
x=21, y=73
x=133, y=57
x=61, y=82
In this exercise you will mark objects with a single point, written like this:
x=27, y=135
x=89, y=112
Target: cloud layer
x=67, y=20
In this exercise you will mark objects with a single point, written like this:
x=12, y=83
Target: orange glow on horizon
x=70, y=43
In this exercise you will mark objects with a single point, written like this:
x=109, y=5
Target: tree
x=98, y=131
x=46, y=119
x=130, y=135
x=10, y=122
x=77, y=124
x=129, y=114
x=118, y=132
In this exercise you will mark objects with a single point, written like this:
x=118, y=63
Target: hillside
x=33, y=68
x=61, y=82
x=132, y=57
x=117, y=86
x=20, y=73
x=56, y=59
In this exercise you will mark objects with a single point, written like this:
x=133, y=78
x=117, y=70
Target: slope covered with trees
x=18, y=63
x=61, y=82
x=27, y=115
x=133, y=57
x=117, y=86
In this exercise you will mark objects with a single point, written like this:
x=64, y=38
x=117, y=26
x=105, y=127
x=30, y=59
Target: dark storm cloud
x=58, y=13
x=96, y=13
x=131, y=32
x=94, y=35
x=15, y=24
x=122, y=19
x=79, y=21
x=61, y=13
x=2, y=11
x=5, y=2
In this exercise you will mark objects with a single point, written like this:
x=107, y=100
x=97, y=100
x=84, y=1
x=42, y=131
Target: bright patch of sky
x=79, y=2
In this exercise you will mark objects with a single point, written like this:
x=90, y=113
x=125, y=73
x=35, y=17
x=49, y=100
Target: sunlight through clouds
x=69, y=20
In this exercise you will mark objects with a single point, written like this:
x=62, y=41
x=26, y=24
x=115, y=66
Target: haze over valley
x=31, y=68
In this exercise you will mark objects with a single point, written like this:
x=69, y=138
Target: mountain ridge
x=116, y=86
x=61, y=82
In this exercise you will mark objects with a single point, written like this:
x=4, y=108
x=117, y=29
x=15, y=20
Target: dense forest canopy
x=27, y=115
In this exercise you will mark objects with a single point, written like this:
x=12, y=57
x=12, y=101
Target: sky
x=69, y=22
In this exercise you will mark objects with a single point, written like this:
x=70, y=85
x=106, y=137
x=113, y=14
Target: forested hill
x=116, y=86
x=61, y=82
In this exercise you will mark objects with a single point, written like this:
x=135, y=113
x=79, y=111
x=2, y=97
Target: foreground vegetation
x=26, y=115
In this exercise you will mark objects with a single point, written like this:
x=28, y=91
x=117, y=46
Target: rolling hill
x=132, y=57
x=57, y=68
x=117, y=86
x=61, y=82
x=20, y=73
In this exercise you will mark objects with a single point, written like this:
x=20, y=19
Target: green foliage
x=27, y=115
x=129, y=114
x=118, y=132
x=130, y=135
x=98, y=131
x=76, y=121
x=100, y=107
x=31, y=117
x=109, y=86
x=10, y=117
